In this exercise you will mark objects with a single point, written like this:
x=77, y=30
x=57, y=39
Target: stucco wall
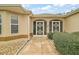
x=72, y=23
x=6, y=24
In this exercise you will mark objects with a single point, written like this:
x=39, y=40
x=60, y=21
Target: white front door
x=39, y=27
x=55, y=26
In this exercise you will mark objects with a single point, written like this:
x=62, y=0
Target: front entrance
x=39, y=27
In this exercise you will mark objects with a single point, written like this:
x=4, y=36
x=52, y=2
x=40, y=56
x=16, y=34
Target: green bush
x=50, y=35
x=67, y=44
x=76, y=33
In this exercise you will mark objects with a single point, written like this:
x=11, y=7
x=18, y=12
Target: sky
x=50, y=8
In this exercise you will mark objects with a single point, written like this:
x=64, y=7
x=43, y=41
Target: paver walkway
x=39, y=46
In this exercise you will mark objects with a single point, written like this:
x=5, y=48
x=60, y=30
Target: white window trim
x=14, y=24
x=17, y=19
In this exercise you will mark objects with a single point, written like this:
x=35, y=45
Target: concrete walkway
x=39, y=46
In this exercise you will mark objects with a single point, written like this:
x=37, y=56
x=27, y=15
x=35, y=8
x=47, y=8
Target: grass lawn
x=11, y=47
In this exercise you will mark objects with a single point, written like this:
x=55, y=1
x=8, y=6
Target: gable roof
x=57, y=15
x=72, y=12
x=16, y=8
x=47, y=15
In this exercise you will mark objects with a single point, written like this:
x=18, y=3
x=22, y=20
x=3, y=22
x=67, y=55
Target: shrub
x=76, y=33
x=66, y=43
x=50, y=35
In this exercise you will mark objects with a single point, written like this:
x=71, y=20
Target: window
x=14, y=24
x=0, y=24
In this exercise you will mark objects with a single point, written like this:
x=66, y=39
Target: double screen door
x=40, y=27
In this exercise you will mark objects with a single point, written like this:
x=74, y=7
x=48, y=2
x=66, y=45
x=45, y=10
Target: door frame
x=52, y=25
x=36, y=29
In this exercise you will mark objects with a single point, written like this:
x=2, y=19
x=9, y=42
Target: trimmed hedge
x=76, y=33
x=67, y=44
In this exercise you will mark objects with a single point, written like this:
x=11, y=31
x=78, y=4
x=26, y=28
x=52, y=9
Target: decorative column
x=28, y=27
x=47, y=27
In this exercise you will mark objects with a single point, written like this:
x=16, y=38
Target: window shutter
x=61, y=26
x=45, y=29
x=34, y=28
x=50, y=26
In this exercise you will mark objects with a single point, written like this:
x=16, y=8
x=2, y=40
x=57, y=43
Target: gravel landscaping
x=11, y=47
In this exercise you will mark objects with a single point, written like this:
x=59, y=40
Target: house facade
x=15, y=21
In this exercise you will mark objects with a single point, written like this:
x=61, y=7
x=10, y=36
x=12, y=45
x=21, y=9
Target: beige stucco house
x=17, y=22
